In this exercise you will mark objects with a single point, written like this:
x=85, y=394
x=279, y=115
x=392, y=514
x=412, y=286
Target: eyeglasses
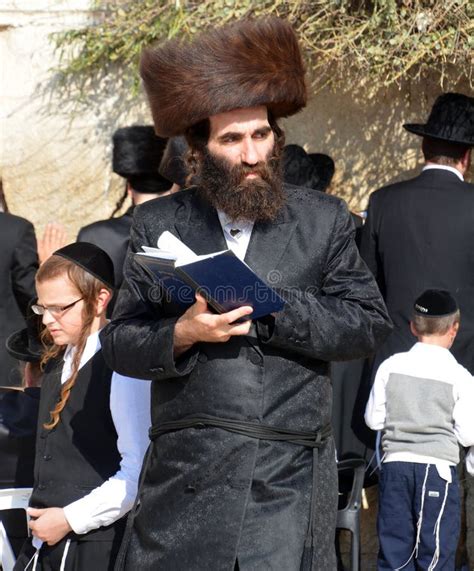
x=54, y=310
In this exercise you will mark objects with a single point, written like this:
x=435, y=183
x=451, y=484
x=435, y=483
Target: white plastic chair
x=11, y=499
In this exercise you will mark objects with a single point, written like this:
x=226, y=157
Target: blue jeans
x=400, y=500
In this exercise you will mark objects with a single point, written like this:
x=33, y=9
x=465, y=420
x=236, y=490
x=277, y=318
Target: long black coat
x=419, y=234
x=210, y=496
x=18, y=266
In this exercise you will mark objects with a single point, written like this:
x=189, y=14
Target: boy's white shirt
x=115, y=497
x=437, y=363
x=470, y=461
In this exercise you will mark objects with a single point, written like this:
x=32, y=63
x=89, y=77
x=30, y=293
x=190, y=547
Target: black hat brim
x=420, y=130
x=17, y=346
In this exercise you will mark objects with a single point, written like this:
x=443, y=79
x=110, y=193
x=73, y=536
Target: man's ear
x=103, y=300
x=466, y=160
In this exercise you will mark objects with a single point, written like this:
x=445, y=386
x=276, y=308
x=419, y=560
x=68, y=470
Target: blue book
x=225, y=281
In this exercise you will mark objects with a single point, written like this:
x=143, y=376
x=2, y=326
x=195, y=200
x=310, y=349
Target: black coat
x=419, y=234
x=113, y=236
x=18, y=266
x=18, y=420
x=210, y=496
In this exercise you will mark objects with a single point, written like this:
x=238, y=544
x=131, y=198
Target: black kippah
x=435, y=303
x=90, y=258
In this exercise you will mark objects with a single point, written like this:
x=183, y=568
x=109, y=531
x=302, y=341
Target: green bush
x=374, y=43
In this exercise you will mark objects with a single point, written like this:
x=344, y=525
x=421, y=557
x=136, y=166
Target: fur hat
x=136, y=156
x=244, y=64
x=314, y=170
x=136, y=150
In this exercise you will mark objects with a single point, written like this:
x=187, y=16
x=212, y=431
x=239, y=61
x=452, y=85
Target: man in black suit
x=137, y=153
x=419, y=233
x=18, y=266
x=241, y=473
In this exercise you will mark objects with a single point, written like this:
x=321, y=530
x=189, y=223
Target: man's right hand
x=199, y=324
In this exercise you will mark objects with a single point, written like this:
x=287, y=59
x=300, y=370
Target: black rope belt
x=250, y=429
x=313, y=440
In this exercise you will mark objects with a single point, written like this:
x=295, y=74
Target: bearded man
x=241, y=470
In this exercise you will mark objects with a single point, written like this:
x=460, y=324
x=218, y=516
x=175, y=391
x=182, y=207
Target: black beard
x=227, y=189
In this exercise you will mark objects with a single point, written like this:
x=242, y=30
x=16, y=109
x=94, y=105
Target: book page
x=157, y=253
x=169, y=242
x=201, y=257
x=171, y=248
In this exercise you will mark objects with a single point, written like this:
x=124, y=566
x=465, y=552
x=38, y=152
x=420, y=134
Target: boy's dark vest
x=80, y=452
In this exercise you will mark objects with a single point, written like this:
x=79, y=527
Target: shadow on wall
x=61, y=161
x=365, y=137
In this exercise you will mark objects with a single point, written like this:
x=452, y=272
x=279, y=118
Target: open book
x=225, y=281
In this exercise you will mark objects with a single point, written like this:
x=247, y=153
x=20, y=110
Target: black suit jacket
x=18, y=266
x=419, y=234
x=209, y=495
x=113, y=236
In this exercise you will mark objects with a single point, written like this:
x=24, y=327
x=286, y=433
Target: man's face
x=242, y=137
x=240, y=171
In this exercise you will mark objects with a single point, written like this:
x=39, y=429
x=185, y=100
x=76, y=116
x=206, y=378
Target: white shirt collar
x=92, y=347
x=428, y=347
x=444, y=168
x=240, y=241
x=227, y=223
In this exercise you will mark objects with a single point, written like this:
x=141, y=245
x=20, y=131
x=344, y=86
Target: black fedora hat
x=25, y=344
x=313, y=170
x=451, y=119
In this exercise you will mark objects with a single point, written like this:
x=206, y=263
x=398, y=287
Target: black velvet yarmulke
x=435, y=303
x=92, y=259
